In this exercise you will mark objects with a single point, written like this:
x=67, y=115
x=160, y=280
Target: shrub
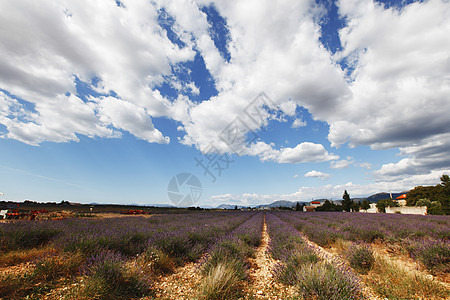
x=222, y=282
x=435, y=255
x=227, y=250
x=109, y=279
x=361, y=258
x=324, y=282
x=286, y=272
x=22, y=235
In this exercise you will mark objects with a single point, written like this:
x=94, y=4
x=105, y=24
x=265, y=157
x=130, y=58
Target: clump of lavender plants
x=361, y=258
x=323, y=281
x=109, y=279
x=435, y=255
x=26, y=235
x=225, y=266
x=286, y=272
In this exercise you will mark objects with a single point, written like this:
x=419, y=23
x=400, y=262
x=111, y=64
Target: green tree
x=356, y=206
x=435, y=194
x=347, y=202
x=419, y=192
x=365, y=204
x=298, y=207
x=433, y=207
x=327, y=206
x=383, y=203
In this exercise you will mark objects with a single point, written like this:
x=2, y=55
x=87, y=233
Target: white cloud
x=45, y=46
x=295, y=176
x=298, y=123
x=293, y=68
x=303, y=152
x=400, y=85
x=365, y=165
x=397, y=95
x=317, y=174
x=341, y=164
x=127, y=116
x=422, y=159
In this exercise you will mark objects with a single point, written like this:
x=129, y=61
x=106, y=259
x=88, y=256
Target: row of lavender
x=103, y=249
x=299, y=265
x=226, y=263
x=426, y=238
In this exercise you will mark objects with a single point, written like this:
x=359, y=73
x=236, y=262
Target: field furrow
x=262, y=284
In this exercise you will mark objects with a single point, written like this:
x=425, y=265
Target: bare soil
x=262, y=284
x=183, y=284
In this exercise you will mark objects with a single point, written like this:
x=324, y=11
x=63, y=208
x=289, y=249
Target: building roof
x=402, y=196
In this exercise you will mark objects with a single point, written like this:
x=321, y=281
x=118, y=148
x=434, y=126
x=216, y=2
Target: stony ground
x=262, y=285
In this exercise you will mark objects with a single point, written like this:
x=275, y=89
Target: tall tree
x=365, y=204
x=347, y=202
x=298, y=207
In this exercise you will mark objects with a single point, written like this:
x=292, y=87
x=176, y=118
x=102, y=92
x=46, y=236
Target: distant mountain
x=282, y=203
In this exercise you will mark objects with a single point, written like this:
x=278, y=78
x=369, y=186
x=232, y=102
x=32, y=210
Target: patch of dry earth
x=262, y=285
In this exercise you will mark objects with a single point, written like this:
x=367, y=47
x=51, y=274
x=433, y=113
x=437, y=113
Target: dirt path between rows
x=262, y=285
x=183, y=284
x=336, y=260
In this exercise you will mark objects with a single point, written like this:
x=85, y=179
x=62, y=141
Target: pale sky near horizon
x=106, y=101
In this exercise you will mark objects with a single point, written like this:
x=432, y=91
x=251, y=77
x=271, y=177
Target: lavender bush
x=361, y=258
x=225, y=265
x=300, y=266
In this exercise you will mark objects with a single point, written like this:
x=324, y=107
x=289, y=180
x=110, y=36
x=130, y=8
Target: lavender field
x=221, y=255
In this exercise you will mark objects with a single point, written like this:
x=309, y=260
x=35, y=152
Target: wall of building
x=411, y=210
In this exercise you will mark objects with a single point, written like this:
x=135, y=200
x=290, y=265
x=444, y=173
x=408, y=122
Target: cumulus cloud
x=422, y=159
x=303, y=152
x=341, y=164
x=395, y=96
x=127, y=116
x=48, y=49
x=317, y=174
x=400, y=85
x=298, y=123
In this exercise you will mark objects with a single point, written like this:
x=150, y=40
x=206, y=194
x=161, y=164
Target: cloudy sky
x=105, y=101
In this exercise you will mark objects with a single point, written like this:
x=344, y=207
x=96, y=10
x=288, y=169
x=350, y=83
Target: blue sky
x=106, y=102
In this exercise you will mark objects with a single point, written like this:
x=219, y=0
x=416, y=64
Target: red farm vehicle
x=135, y=212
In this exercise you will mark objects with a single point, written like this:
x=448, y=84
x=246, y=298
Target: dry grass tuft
x=392, y=280
x=20, y=256
x=221, y=282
